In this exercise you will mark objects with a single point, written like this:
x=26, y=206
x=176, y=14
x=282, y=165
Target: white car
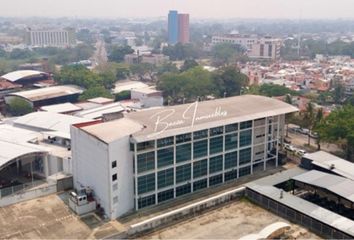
x=300, y=152
x=289, y=147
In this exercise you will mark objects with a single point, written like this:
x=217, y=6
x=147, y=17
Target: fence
x=17, y=188
x=25, y=193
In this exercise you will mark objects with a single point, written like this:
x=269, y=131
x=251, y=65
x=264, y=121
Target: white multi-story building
x=155, y=155
x=257, y=47
x=50, y=38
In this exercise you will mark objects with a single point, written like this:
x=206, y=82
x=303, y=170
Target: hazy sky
x=197, y=8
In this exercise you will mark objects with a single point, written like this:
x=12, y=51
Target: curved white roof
x=17, y=75
x=10, y=151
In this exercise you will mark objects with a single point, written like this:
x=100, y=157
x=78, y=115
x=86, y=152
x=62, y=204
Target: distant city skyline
x=221, y=9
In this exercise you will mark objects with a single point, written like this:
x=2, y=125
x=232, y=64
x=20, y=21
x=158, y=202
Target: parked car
x=304, y=131
x=289, y=147
x=300, y=152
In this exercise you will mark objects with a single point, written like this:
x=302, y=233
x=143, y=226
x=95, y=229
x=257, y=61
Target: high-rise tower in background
x=178, y=27
x=183, y=28
x=172, y=27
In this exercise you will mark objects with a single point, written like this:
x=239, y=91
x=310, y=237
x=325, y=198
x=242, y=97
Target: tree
x=189, y=85
x=182, y=51
x=273, y=90
x=118, y=53
x=338, y=128
x=78, y=75
x=288, y=99
x=143, y=69
x=96, y=91
x=224, y=53
x=19, y=107
x=188, y=64
x=309, y=119
x=339, y=93
x=318, y=121
x=228, y=80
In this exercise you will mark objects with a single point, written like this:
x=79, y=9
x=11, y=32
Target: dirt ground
x=232, y=221
x=50, y=218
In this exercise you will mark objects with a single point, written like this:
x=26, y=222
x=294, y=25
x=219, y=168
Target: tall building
x=149, y=157
x=173, y=27
x=183, y=28
x=256, y=47
x=50, y=38
x=178, y=28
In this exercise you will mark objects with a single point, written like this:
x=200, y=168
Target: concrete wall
x=119, y=151
x=24, y=196
x=174, y=215
x=90, y=157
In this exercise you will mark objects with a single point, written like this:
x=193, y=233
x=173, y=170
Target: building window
x=146, y=161
x=131, y=147
x=145, y=145
x=230, y=175
x=165, y=195
x=216, y=131
x=114, y=164
x=115, y=187
x=270, y=50
x=231, y=141
x=183, y=138
x=200, y=168
x=165, y=178
x=245, y=138
x=163, y=142
x=200, y=184
x=216, y=145
x=261, y=52
x=245, y=171
x=114, y=177
x=182, y=190
x=146, y=183
x=200, y=149
x=245, y=125
x=215, y=164
x=183, y=152
x=215, y=180
x=146, y=201
x=165, y=157
x=183, y=173
x=245, y=156
x=231, y=128
x=200, y=134
x=230, y=160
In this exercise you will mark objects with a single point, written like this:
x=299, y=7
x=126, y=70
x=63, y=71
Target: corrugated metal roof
x=61, y=108
x=17, y=75
x=333, y=163
x=48, y=92
x=48, y=121
x=341, y=186
x=265, y=186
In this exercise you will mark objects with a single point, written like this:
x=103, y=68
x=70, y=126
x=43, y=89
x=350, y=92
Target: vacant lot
x=232, y=221
x=49, y=218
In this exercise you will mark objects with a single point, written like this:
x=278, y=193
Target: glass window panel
x=245, y=125
x=216, y=145
x=231, y=127
x=145, y=145
x=164, y=142
x=165, y=178
x=215, y=164
x=146, y=183
x=200, y=168
x=230, y=160
x=216, y=131
x=165, y=157
x=146, y=201
x=183, y=152
x=200, y=134
x=231, y=141
x=214, y=180
x=200, y=184
x=245, y=156
x=245, y=138
x=183, y=138
x=146, y=161
x=200, y=149
x=165, y=195
x=183, y=173
x=182, y=190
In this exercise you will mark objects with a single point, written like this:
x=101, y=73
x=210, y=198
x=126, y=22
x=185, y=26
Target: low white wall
x=166, y=218
x=27, y=195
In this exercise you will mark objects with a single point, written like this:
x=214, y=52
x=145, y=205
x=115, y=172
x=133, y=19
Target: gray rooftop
x=201, y=115
x=326, y=160
x=338, y=185
x=265, y=186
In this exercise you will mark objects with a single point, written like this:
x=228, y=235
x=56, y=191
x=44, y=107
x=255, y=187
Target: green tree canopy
x=118, y=52
x=19, y=107
x=228, y=80
x=338, y=128
x=225, y=53
x=96, y=91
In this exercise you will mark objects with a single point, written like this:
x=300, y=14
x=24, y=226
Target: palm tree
x=309, y=119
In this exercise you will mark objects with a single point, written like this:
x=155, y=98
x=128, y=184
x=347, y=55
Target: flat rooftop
x=195, y=116
x=48, y=92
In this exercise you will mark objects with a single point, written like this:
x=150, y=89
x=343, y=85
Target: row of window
x=187, y=188
x=184, y=172
x=165, y=156
x=196, y=135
